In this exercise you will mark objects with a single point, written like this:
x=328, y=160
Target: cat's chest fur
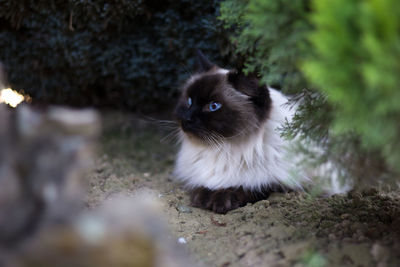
x=259, y=160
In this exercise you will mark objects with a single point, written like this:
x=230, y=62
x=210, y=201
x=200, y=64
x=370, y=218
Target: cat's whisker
x=215, y=143
x=218, y=140
x=241, y=133
x=208, y=138
x=162, y=123
x=173, y=136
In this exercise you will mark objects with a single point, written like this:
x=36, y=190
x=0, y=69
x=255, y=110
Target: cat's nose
x=187, y=117
x=186, y=124
x=187, y=121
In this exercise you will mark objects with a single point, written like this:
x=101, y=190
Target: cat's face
x=217, y=104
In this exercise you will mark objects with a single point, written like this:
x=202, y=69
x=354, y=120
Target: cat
x=231, y=152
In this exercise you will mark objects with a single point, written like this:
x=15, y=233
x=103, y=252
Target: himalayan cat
x=231, y=152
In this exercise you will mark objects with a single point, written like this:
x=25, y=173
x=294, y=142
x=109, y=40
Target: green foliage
x=130, y=54
x=271, y=36
x=356, y=65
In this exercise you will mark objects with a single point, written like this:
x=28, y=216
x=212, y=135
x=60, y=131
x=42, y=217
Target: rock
x=43, y=156
x=125, y=231
x=182, y=240
x=184, y=209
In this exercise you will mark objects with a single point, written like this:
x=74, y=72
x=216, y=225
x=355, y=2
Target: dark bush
x=131, y=54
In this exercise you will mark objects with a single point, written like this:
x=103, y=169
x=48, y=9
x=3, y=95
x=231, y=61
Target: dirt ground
x=294, y=229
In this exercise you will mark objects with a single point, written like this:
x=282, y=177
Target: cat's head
x=217, y=104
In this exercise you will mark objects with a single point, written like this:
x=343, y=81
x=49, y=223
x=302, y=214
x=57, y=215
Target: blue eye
x=189, y=102
x=214, y=106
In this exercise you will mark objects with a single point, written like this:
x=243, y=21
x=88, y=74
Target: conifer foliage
x=356, y=64
x=270, y=34
x=340, y=60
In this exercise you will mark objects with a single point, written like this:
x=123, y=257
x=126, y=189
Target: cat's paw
x=219, y=201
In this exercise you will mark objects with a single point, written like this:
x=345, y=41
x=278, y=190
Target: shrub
x=110, y=52
x=356, y=65
x=273, y=38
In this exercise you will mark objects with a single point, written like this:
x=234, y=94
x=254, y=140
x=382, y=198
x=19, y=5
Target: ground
x=294, y=229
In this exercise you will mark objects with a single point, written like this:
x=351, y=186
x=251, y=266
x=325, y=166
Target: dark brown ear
x=250, y=86
x=246, y=84
x=203, y=64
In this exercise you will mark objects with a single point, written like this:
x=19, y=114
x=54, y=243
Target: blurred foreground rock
x=43, y=158
x=125, y=231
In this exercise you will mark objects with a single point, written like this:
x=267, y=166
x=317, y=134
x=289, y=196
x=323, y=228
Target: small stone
x=266, y=203
x=182, y=240
x=184, y=209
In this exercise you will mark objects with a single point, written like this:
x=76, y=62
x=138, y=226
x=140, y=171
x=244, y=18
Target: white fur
x=261, y=160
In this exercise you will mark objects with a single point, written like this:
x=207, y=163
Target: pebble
x=184, y=209
x=262, y=204
x=182, y=240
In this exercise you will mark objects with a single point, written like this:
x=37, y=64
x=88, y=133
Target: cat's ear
x=203, y=64
x=246, y=84
x=250, y=85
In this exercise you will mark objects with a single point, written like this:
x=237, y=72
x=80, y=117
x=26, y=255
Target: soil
x=293, y=229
